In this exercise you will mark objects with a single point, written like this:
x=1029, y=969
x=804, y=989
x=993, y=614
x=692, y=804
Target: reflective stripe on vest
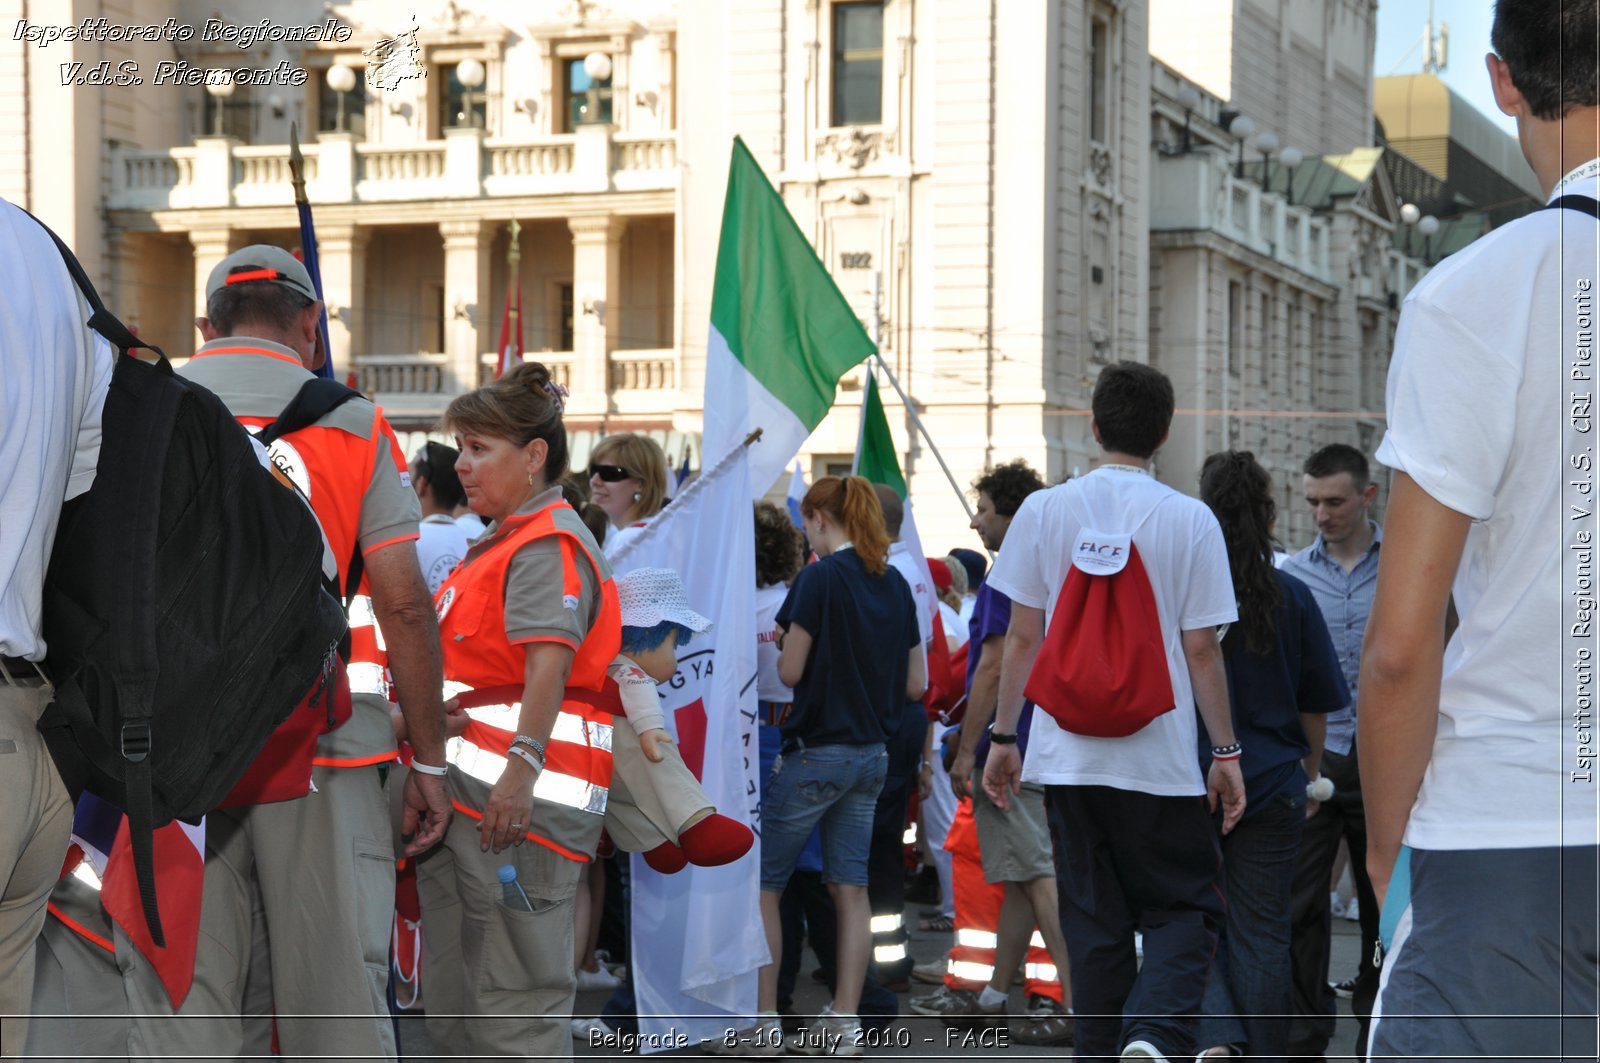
x=367, y=669
x=570, y=793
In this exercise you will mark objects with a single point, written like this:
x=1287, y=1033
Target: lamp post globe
x=597, y=65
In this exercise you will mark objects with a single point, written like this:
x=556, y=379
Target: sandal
x=939, y=924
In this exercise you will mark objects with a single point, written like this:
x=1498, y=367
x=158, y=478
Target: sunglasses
x=610, y=473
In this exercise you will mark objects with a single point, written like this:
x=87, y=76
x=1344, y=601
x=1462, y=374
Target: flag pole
x=912, y=411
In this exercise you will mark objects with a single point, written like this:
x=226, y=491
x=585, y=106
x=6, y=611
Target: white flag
x=697, y=937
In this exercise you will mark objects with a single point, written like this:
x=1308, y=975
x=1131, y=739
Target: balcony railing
x=221, y=172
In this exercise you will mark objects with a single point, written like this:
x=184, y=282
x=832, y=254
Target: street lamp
x=1291, y=157
x=1239, y=126
x=597, y=65
x=471, y=74
x=1266, y=144
x=220, y=88
x=341, y=79
x=1427, y=225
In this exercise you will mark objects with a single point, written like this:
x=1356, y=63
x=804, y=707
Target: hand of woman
x=508, y=813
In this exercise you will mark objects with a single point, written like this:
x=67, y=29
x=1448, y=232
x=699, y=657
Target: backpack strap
x=1582, y=204
x=140, y=464
x=317, y=398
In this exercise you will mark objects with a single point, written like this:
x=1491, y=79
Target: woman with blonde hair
x=852, y=651
x=529, y=622
x=627, y=479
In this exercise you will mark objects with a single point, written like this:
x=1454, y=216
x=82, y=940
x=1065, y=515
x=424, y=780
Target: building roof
x=1423, y=118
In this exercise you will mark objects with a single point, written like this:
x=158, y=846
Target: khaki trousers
x=79, y=1008
x=33, y=839
x=499, y=981
x=310, y=884
x=649, y=802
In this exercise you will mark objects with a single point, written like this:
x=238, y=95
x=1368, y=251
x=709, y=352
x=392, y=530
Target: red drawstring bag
x=1102, y=670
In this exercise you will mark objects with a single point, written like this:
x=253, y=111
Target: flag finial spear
x=297, y=165
x=513, y=245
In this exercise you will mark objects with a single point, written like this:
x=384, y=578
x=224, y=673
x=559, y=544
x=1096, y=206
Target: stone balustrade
x=466, y=164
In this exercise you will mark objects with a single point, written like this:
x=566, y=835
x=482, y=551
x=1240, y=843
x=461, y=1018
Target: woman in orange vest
x=529, y=621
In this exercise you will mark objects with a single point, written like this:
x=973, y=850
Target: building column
x=466, y=294
x=341, y=252
x=596, y=291
x=211, y=246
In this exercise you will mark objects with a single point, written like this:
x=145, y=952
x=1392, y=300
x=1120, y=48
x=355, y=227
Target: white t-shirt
x=768, y=686
x=1181, y=546
x=472, y=524
x=441, y=544
x=1485, y=415
x=905, y=563
x=954, y=629
x=55, y=373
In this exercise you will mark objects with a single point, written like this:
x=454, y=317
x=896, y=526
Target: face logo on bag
x=286, y=459
x=446, y=601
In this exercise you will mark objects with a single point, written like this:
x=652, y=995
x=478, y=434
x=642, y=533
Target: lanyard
x=1587, y=172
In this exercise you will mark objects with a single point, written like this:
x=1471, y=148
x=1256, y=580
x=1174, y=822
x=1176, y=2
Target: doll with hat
x=657, y=807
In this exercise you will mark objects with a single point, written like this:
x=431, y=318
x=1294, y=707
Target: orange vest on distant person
x=480, y=659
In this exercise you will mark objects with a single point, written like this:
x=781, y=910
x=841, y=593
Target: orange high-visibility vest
x=570, y=793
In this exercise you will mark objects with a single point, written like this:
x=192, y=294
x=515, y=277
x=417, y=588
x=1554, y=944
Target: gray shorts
x=1014, y=845
x=1494, y=958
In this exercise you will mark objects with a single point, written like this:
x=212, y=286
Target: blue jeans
x=1249, y=995
x=834, y=786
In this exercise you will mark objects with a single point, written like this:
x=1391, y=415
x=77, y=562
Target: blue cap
x=507, y=874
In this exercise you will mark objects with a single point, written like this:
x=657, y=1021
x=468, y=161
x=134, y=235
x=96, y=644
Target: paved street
x=913, y=1036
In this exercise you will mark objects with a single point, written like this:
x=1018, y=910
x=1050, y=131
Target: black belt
x=23, y=671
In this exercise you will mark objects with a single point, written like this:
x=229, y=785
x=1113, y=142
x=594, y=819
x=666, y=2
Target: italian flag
x=781, y=332
x=877, y=461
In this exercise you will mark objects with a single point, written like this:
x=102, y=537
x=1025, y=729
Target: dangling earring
x=530, y=479
x=637, y=496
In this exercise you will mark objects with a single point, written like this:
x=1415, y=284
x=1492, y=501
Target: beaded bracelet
x=1233, y=752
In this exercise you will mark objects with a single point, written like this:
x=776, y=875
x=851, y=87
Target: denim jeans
x=834, y=786
x=1249, y=994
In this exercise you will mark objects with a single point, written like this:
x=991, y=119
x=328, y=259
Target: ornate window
x=857, y=63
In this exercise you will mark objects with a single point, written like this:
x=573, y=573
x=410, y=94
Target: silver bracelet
x=533, y=744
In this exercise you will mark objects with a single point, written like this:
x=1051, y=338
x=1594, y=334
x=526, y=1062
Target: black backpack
x=185, y=612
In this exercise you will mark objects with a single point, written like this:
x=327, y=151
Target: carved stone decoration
x=853, y=148
x=1100, y=165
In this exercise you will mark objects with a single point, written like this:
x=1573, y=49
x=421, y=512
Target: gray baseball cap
x=261, y=262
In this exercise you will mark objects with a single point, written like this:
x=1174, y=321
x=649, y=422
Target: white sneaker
x=586, y=1030
x=1143, y=1050
x=830, y=1035
x=765, y=1038
x=1336, y=906
x=1352, y=911
x=597, y=979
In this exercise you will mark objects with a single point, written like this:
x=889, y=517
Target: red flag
x=180, y=878
x=511, y=332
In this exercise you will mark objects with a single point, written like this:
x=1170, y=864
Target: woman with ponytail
x=1283, y=679
x=529, y=622
x=852, y=650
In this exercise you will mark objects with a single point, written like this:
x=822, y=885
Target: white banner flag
x=697, y=939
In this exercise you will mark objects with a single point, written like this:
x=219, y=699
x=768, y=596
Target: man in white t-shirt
x=1480, y=755
x=1135, y=847
x=442, y=540
x=56, y=372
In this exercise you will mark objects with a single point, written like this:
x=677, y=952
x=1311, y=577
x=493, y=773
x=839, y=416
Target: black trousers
x=1129, y=861
x=886, y=869
x=1343, y=817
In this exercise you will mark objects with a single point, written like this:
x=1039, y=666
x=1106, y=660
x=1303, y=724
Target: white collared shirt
x=56, y=372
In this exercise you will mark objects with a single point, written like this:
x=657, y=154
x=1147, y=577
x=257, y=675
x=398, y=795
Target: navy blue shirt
x=991, y=615
x=863, y=628
x=1269, y=691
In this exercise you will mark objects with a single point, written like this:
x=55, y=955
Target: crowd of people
x=1134, y=744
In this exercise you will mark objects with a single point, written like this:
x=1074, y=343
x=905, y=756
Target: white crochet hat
x=649, y=596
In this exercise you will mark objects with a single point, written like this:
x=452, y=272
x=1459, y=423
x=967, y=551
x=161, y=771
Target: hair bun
x=535, y=376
